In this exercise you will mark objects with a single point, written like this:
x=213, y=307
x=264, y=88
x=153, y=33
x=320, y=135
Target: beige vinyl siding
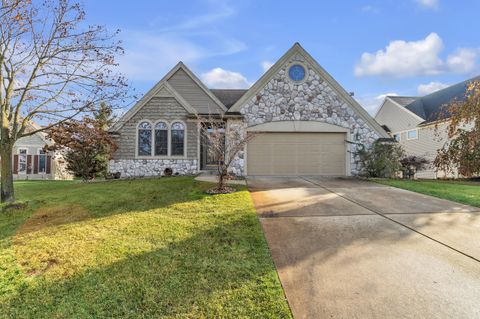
x=396, y=118
x=428, y=142
x=33, y=144
x=158, y=108
x=193, y=94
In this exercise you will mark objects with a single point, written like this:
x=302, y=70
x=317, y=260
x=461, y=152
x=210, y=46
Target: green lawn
x=458, y=191
x=157, y=248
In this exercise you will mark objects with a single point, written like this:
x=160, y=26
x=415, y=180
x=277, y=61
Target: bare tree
x=224, y=143
x=52, y=69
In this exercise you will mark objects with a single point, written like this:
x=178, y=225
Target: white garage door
x=296, y=154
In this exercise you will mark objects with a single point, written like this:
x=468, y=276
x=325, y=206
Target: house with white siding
x=420, y=124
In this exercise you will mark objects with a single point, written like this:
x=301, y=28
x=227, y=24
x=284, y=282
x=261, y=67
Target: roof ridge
x=228, y=89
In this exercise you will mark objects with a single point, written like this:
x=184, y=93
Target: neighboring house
x=31, y=161
x=303, y=121
x=420, y=124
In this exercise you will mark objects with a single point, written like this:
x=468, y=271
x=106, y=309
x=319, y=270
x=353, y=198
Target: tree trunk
x=222, y=173
x=6, y=185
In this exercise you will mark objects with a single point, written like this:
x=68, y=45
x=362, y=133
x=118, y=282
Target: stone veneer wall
x=153, y=167
x=313, y=100
x=237, y=167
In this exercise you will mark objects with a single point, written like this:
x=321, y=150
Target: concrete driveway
x=353, y=249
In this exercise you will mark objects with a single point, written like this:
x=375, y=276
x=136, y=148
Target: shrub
x=412, y=164
x=382, y=159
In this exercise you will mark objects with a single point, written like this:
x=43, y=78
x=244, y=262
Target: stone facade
x=312, y=100
x=153, y=167
x=238, y=164
x=316, y=98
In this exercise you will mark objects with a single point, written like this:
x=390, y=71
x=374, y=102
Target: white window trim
x=413, y=138
x=26, y=160
x=46, y=158
x=169, y=153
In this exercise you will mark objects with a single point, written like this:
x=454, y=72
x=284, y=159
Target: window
x=22, y=160
x=296, y=73
x=412, y=135
x=144, y=139
x=161, y=139
x=396, y=137
x=178, y=138
x=42, y=161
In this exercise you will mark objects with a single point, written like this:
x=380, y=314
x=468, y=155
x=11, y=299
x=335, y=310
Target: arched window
x=161, y=139
x=144, y=139
x=178, y=138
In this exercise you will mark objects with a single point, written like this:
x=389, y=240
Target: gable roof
x=171, y=76
x=165, y=89
x=430, y=107
x=297, y=49
x=228, y=96
x=403, y=100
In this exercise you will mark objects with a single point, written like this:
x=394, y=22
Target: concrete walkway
x=354, y=249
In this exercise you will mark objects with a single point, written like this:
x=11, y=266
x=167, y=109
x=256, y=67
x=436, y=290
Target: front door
x=212, y=146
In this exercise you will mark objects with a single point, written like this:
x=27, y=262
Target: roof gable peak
x=297, y=49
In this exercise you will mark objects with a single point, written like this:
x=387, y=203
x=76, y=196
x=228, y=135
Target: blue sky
x=372, y=47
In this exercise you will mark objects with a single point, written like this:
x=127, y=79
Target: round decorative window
x=296, y=73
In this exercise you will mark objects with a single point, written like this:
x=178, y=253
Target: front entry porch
x=212, y=145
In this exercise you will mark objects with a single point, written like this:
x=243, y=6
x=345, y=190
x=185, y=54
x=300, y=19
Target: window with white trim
x=42, y=161
x=412, y=135
x=161, y=139
x=177, y=139
x=144, y=139
x=22, y=160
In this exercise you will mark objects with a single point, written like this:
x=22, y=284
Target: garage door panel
x=296, y=154
x=283, y=150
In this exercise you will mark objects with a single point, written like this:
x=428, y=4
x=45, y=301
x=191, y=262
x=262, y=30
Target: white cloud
x=416, y=58
x=148, y=57
x=429, y=4
x=219, y=10
x=424, y=89
x=464, y=60
x=371, y=103
x=224, y=79
x=381, y=97
x=150, y=54
x=402, y=58
x=266, y=65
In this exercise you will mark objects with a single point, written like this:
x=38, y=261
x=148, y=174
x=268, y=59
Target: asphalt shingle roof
x=228, y=96
x=403, y=100
x=431, y=107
